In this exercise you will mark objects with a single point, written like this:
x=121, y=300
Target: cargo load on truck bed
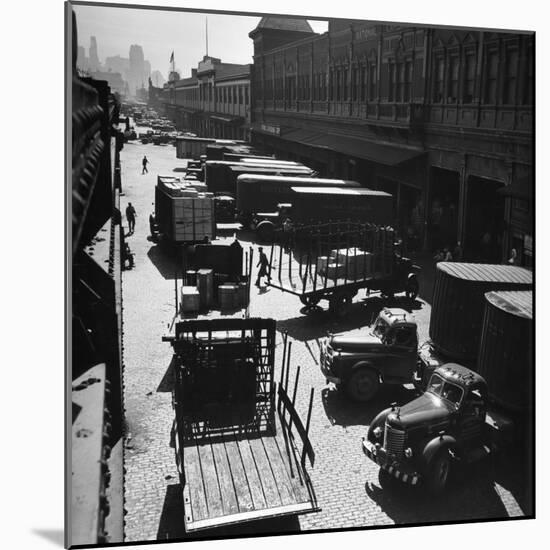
x=182, y=213
x=236, y=453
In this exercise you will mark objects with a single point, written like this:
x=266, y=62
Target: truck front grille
x=394, y=441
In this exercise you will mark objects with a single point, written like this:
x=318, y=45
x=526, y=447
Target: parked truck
x=333, y=261
x=221, y=176
x=240, y=445
x=182, y=214
x=188, y=147
x=453, y=420
x=263, y=199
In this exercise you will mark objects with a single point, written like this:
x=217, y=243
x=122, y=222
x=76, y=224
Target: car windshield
x=442, y=388
x=380, y=328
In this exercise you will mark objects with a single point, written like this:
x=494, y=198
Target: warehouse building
x=213, y=102
x=440, y=118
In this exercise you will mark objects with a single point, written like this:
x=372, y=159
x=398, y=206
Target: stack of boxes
x=353, y=264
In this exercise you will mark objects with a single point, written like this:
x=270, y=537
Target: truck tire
x=363, y=384
x=412, y=288
x=340, y=304
x=310, y=301
x=438, y=471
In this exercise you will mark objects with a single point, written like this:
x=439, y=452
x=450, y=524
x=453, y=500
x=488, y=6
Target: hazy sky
x=159, y=32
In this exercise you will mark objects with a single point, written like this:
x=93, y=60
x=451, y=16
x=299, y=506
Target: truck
x=361, y=362
x=221, y=176
x=193, y=147
x=182, y=214
x=385, y=354
x=333, y=261
x=240, y=444
x=262, y=198
x=453, y=420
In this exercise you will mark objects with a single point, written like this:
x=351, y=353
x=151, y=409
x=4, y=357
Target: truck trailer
x=240, y=445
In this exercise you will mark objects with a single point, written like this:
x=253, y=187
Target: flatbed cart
x=334, y=260
x=234, y=430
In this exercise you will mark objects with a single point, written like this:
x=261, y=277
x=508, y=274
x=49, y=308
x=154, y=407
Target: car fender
x=364, y=364
x=378, y=420
x=435, y=445
x=411, y=276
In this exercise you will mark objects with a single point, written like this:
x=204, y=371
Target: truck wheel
x=411, y=288
x=340, y=304
x=310, y=301
x=439, y=470
x=363, y=385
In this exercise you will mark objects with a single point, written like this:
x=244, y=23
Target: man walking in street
x=144, y=162
x=131, y=217
x=263, y=264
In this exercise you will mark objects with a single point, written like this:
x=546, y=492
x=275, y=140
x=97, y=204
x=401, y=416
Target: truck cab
x=385, y=353
x=450, y=420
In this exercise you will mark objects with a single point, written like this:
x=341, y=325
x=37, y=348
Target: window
x=391, y=77
x=510, y=76
x=246, y=101
x=469, y=77
x=491, y=74
x=372, y=81
x=452, y=90
x=240, y=95
x=345, y=89
x=438, y=80
x=363, y=83
x=354, y=80
x=331, y=84
x=407, y=85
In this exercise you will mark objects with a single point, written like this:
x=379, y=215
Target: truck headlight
x=408, y=452
x=377, y=432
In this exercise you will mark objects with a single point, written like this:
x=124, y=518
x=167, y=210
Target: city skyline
x=184, y=33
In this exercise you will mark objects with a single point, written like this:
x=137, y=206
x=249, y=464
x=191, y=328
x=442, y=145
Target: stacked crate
x=350, y=263
x=193, y=217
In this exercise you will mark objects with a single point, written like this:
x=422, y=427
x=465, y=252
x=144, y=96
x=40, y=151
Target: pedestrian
x=447, y=256
x=131, y=217
x=144, y=162
x=263, y=264
x=513, y=257
x=457, y=252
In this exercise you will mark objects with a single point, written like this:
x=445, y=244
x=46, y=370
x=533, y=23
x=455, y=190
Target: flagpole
x=206, y=36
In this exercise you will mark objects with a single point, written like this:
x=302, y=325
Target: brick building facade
x=213, y=102
x=441, y=118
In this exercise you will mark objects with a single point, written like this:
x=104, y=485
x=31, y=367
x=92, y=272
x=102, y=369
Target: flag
x=172, y=57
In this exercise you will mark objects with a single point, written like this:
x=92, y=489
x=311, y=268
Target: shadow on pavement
x=470, y=495
x=167, y=383
x=165, y=260
x=171, y=525
x=341, y=410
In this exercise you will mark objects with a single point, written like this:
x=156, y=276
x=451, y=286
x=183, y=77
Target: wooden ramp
x=236, y=477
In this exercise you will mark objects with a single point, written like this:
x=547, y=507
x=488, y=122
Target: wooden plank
x=210, y=480
x=196, y=507
x=253, y=477
x=280, y=472
x=225, y=479
x=263, y=467
x=242, y=488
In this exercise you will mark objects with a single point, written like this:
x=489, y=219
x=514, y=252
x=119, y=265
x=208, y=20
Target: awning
x=227, y=120
x=521, y=189
x=368, y=150
x=302, y=135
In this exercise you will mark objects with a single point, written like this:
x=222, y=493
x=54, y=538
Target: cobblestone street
x=349, y=489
